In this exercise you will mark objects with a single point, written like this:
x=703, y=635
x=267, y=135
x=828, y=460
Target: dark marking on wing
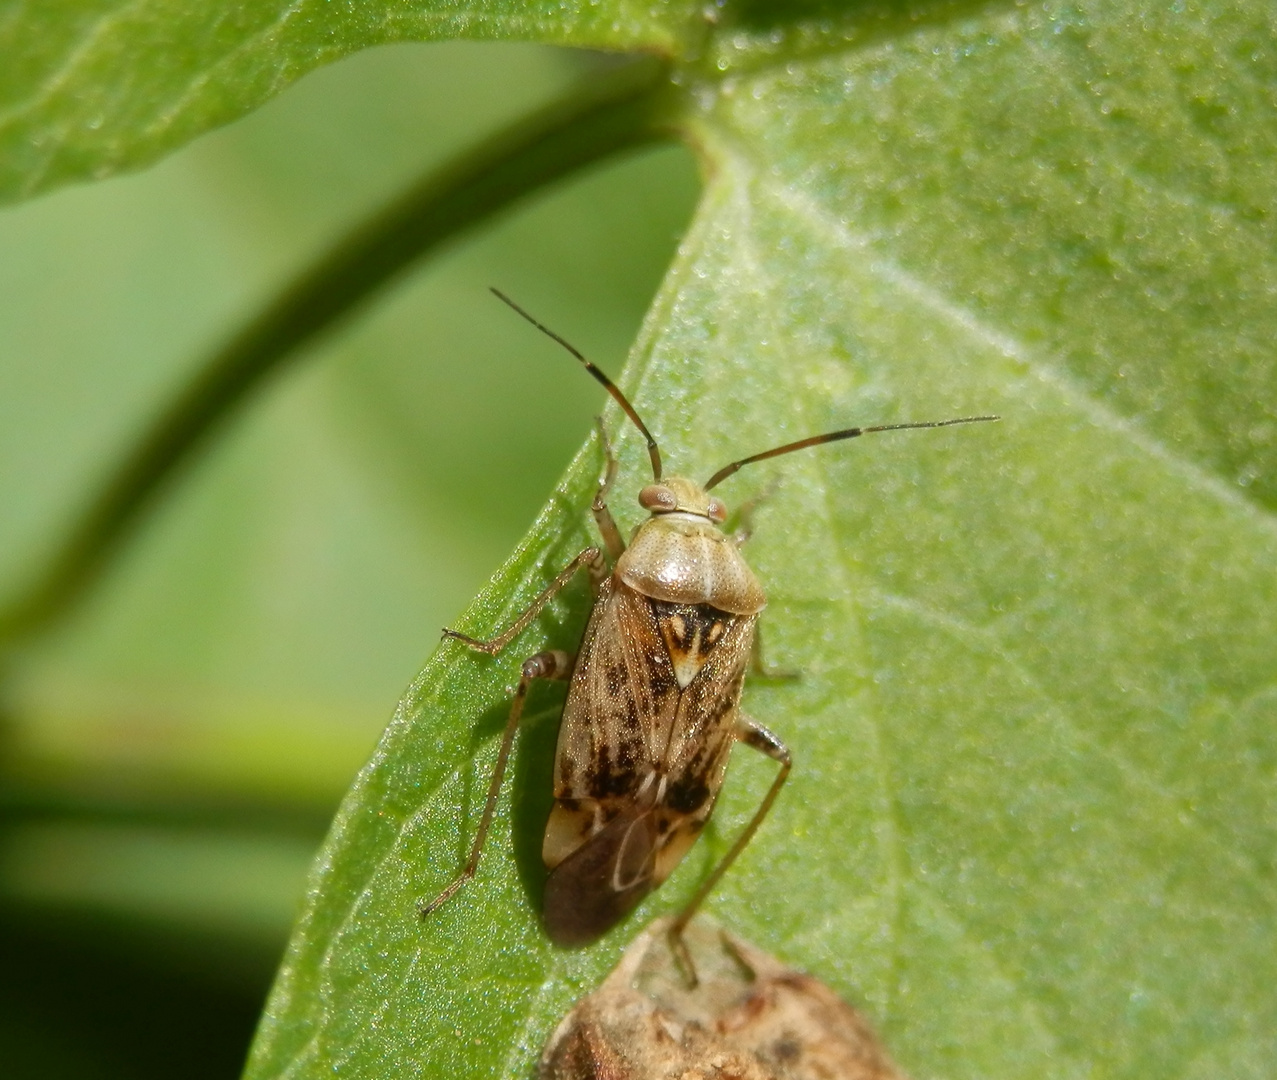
x=603, y=779
x=616, y=677
x=611, y=783
x=688, y=793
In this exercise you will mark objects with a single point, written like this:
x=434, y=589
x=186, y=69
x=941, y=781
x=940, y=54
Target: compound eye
x=658, y=498
x=717, y=510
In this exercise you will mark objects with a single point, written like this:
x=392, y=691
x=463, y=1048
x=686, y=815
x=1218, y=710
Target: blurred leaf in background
x=172, y=755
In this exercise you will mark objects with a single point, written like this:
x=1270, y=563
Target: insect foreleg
x=591, y=558
x=752, y=734
x=551, y=664
x=602, y=515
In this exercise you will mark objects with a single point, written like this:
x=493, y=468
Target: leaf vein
x=1137, y=778
x=63, y=72
x=804, y=208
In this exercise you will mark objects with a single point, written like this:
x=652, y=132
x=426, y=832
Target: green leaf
x=96, y=86
x=235, y=666
x=1030, y=823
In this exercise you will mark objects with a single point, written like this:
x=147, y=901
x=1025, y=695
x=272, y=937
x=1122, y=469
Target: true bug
x=653, y=707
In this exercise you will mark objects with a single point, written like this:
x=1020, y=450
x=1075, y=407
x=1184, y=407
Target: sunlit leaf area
x=1031, y=829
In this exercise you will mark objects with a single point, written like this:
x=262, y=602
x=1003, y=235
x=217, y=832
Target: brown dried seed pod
x=748, y=1018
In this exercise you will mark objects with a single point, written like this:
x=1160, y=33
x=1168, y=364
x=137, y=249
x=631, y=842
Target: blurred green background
x=171, y=753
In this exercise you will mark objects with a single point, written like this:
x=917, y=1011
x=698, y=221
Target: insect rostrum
x=653, y=708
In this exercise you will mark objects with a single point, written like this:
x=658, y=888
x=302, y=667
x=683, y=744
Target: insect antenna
x=836, y=436
x=653, y=451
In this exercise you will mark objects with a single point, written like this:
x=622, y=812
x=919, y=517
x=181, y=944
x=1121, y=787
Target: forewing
x=621, y=704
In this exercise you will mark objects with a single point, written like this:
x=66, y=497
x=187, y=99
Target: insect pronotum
x=654, y=703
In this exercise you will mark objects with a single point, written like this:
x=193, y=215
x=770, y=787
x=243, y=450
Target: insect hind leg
x=551, y=664
x=753, y=734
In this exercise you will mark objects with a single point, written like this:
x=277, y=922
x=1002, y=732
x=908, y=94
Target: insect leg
x=602, y=515
x=745, y=514
x=551, y=664
x=752, y=734
x=758, y=665
x=591, y=558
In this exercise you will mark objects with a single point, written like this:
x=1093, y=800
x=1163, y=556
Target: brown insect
x=654, y=704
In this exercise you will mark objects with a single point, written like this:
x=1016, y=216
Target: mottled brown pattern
x=635, y=747
x=653, y=707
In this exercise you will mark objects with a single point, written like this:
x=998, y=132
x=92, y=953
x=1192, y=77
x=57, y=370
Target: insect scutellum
x=654, y=703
